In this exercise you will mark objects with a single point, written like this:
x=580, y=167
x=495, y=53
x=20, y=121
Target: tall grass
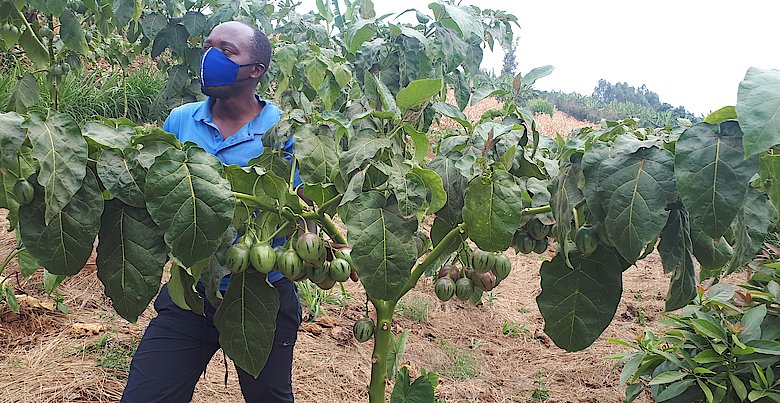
x=96, y=92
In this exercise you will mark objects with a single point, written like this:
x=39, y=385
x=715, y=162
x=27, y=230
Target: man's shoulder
x=186, y=110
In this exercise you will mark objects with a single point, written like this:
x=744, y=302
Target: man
x=178, y=344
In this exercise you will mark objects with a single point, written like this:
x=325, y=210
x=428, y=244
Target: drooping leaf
x=130, y=258
x=215, y=270
x=750, y=229
x=769, y=169
x=578, y=304
x=420, y=142
x=72, y=34
x=410, y=191
x=11, y=138
x=565, y=195
x=712, y=175
x=461, y=19
x=64, y=244
x=34, y=49
x=62, y=153
x=491, y=210
x=638, y=187
x=181, y=288
x=316, y=154
x=246, y=320
x=123, y=176
x=190, y=201
x=417, y=93
x=711, y=254
x=453, y=113
x=123, y=11
x=25, y=94
x=530, y=78
x=435, y=187
x=27, y=264
x=758, y=109
x=383, y=246
x=676, y=252
x=454, y=184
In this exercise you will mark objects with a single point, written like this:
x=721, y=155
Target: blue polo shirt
x=193, y=122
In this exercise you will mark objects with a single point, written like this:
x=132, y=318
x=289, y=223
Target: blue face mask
x=216, y=69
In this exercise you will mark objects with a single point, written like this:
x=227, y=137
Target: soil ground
x=488, y=353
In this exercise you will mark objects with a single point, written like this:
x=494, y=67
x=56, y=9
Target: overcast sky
x=691, y=52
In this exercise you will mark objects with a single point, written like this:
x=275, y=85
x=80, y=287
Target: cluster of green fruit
x=304, y=257
x=482, y=271
x=9, y=29
x=532, y=237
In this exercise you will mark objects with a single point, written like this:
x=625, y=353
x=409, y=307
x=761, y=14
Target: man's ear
x=258, y=71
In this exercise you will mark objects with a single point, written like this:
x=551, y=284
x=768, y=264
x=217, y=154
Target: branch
x=537, y=210
x=430, y=259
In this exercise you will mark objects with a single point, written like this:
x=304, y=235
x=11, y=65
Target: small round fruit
x=586, y=240
x=310, y=247
x=56, y=70
x=316, y=272
x=326, y=284
x=88, y=36
x=65, y=67
x=482, y=261
x=363, y=329
x=262, y=257
x=502, y=268
x=339, y=270
x=537, y=229
x=464, y=288
x=541, y=246
x=47, y=33
x=237, y=258
x=444, y=288
x=15, y=30
x=449, y=271
x=24, y=192
x=290, y=264
x=523, y=242
x=484, y=281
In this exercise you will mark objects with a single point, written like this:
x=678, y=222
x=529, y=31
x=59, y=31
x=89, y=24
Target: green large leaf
x=758, y=109
x=712, y=255
x=529, y=79
x=750, y=229
x=71, y=33
x=565, y=195
x=123, y=176
x=108, y=137
x=130, y=258
x=420, y=391
x=64, y=244
x=454, y=184
x=181, y=288
x=769, y=169
x=492, y=210
x=34, y=49
x=215, y=270
x=676, y=252
x=246, y=320
x=25, y=94
x=417, y=93
x=409, y=189
x=460, y=18
x=712, y=175
x=174, y=37
x=435, y=186
x=383, y=246
x=123, y=11
x=639, y=187
x=11, y=138
x=190, y=201
x=362, y=147
x=578, y=304
x=62, y=153
x=152, y=24
x=316, y=154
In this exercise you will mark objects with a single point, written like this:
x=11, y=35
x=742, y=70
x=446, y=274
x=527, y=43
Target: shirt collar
x=203, y=114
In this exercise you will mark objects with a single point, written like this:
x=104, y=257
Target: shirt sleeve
x=289, y=147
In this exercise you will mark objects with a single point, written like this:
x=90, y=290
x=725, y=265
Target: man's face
x=234, y=40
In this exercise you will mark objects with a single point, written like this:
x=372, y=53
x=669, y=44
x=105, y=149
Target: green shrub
x=540, y=105
x=724, y=347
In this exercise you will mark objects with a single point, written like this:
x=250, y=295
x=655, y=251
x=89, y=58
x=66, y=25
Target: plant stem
x=330, y=202
x=537, y=210
x=430, y=259
x=278, y=230
x=382, y=337
x=11, y=256
x=330, y=228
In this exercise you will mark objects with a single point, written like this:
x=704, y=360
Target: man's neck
x=239, y=108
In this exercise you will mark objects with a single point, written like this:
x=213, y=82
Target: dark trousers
x=178, y=344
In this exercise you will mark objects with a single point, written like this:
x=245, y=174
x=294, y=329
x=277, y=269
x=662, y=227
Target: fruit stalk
x=430, y=259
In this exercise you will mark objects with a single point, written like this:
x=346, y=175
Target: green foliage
x=725, y=346
x=540, y=105
x=540, y=393
x=416, y=309
x=463, y=365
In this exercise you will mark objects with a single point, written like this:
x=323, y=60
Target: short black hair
x=261, y=46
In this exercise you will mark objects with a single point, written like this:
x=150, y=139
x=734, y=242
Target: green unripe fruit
x=363, y=329
x=326, y=284
x=14, y=30
x=56, y=70
x=310, y=247
x=523, y=243
x=65, y=67
x=586, y=240
x=88, y=36
x=263, y=257
x=7, y=27
x=541, y=246
x=464, y=288
x=537, y=230
x=317, y=272
x=482, y=261
x=502, y=268
x=290, y=264
x=444, y=288
x=339, y=270
x=237, y=258
x=47, y=33
x=24, y=192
